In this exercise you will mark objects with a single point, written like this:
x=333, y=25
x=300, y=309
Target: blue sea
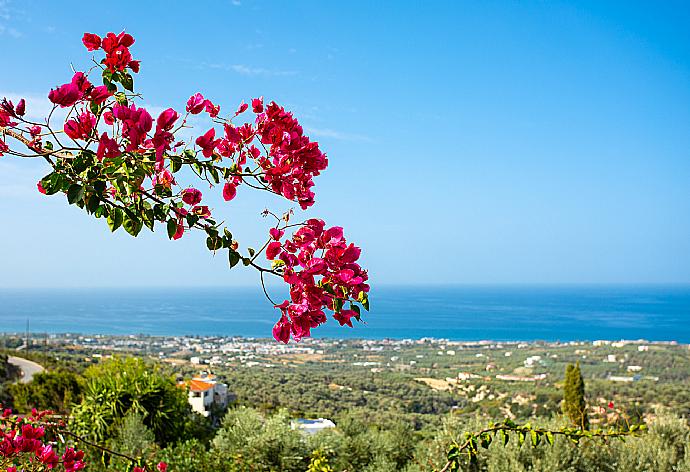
x=550, y=313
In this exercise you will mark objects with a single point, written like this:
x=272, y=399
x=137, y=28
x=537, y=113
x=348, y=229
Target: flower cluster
x=118, y=162
x=294, y=160
x=23, y=445
x=78, y=89
x=322, y=271
x=116, y=47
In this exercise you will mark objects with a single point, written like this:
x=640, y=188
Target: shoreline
x=616, y=342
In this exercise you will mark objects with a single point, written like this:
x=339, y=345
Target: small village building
x=205, y=392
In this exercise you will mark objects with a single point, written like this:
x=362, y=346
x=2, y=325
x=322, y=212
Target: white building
x=204, y=391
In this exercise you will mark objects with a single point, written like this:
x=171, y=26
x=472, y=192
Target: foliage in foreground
x=121, y=387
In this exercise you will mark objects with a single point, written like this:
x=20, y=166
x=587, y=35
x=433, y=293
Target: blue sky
x=469, y=142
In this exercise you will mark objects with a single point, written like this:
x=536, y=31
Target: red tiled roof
x=199, y=385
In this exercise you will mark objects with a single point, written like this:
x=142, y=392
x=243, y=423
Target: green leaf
x=485, y=440
x=127, y=81
x=132, y=225
x=52, y=183
x=246, y=261
x=191, y=219
x=175, y=164
x=93, y=203
x=115, y=219
x=214, y=174
x=535, y=438
x=549, y=437
x=149, y=219
x=233, y=258
x=99, y=186
x=95, y=108
x=251, y=251
x=214, y=243
x=504, y=437
x=172, y=228
x=227, y=233
x=75, y=193
x=365, y=302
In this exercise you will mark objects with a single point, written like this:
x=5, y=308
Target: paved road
x=29, y=368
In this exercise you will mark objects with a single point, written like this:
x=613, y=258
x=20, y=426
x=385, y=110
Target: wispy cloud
x=338, y=135
x=5, y=17
x=38, y=106
x=250, y=71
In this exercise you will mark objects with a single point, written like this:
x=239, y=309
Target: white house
x=205, y=391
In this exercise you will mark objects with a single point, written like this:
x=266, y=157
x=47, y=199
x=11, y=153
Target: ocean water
x=565, y=313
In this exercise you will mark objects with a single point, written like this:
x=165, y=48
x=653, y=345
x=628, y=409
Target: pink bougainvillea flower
x=117, y=55
x=118, y=59
x=272, y=250
x=107, y=148
x=112, y=41
x=66, y=95
x=81, y=81
x=276, y=233
x=3, y=148
x=167, y=119
x=47, y=456
x=180, y=230
x=137, y=122
x=201, y=211
x=81, y=127
x=258, y=105
x=35, y=130
x=72, y=460
x=212, y=109
x=242, y=108
x=135, y=66
x=99, y=94
x=281, y=330
x=108, y=118
x=196, y=104
x=610, y=405
x=343, y=317
x=191, y=196
x=21, y=108
x=162, y=467
x=229, y=191
x=207, y=143
x=91, y=41
x=6, y=114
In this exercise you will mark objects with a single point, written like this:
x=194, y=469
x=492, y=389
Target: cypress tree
x=574, y=406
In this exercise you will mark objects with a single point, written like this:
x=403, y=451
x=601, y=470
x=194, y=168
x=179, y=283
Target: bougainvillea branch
x=111, y=158
x=25, y=445
x=475, y=441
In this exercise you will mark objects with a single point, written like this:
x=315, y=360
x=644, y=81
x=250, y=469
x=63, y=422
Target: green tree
x=574, y=405
x=55, y=390
x=247, y=441
x=121, y=386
